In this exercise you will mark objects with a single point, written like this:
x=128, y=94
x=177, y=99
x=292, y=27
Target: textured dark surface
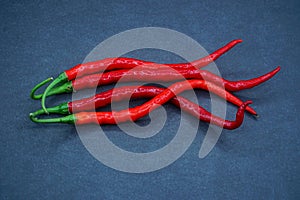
x=261, y=158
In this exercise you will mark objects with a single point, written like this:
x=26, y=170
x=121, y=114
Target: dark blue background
x=261, y=158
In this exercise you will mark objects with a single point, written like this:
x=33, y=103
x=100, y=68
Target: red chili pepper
x=140, y=111
x=128, y=115
x=118, y=94
x=129, y=63
x=121, y=63
x=166, y=75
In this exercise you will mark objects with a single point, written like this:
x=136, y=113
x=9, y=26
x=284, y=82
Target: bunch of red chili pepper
x=112, y=70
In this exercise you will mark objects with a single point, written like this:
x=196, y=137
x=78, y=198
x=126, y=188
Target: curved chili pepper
x=189, y=107
x=140, y=111
x=118, y=94
x=128, y=63
x=166, y=75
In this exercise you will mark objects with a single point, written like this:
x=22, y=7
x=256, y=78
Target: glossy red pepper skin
x=166, y=75
x=118, y=94
x=129, y=63
x=132, y=114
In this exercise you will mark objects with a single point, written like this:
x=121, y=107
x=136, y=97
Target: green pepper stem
x=65, y=88
x=60, y=79
x=60, y=109
x=70, y=119
x=38, y=96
